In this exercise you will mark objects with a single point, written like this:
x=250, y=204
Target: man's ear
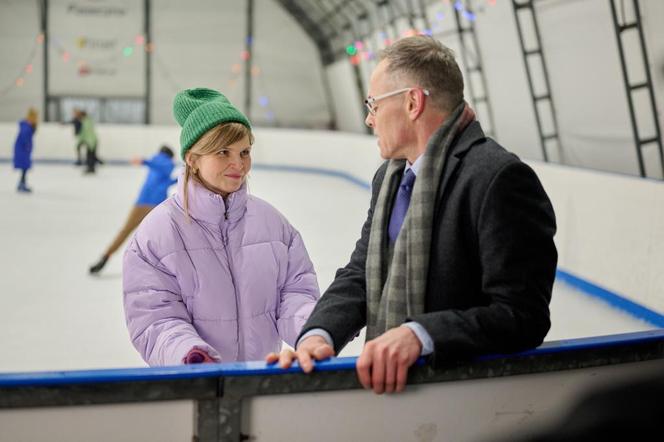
x=415, y=103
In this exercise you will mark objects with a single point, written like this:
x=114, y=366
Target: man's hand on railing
x=384, y=362
x=313, y=348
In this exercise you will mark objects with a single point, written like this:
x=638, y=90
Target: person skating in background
x=153, y=192
x=23, y=148
x=76, y=121
x=214, y=273
x=88, y=137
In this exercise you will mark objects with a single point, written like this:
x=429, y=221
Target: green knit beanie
x=199, y=110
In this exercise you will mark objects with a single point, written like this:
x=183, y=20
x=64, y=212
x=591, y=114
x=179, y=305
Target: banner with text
x=96, y=48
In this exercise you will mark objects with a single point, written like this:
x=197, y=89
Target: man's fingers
x=402, y=377
x=363, y=367
x=378, y=372
x=390, y=374
x=323, y=352
x=384, y=362
x=305, y=361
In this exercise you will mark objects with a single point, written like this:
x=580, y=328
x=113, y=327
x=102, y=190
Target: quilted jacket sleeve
x=159, y=324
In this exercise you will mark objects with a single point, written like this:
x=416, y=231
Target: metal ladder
x=476, y=68
x=632, y=88
x=544, y=97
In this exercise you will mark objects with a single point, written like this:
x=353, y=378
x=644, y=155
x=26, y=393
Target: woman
x=213, y=273
x=23, y=148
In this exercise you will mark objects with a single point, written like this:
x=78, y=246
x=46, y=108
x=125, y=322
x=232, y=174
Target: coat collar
x=466, y=139
x=210, y=207
x=471, y=135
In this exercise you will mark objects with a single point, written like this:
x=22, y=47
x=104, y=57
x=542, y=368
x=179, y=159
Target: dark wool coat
x=492, y=261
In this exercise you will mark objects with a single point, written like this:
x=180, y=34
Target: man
x=457, y=263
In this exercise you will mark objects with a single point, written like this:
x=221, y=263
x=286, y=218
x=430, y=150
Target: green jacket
x=87, y=134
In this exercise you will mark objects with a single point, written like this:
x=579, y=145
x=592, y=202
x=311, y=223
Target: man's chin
x=381, y=151
x=384, y=154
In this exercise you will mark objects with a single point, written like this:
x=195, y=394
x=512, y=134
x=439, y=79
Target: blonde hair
x=210, y=142
x=32, y=117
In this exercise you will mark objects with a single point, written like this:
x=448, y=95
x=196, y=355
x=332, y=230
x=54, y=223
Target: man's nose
x=369, y=120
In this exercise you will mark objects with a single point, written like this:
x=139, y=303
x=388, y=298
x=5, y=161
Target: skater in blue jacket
x=23, y=148
x=153, y=192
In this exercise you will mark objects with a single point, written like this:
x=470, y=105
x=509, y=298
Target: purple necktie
x=401, y=205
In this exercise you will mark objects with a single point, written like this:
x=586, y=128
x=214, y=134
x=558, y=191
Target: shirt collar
x=415, y=166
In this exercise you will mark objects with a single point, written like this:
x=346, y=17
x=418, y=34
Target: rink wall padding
x=491, y=395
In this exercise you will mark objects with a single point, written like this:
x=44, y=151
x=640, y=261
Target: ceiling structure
x=333, y=24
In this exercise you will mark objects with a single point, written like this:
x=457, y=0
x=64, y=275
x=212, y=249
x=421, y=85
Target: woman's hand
x=197, y=356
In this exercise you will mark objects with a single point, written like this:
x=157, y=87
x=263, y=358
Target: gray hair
x=431, y=65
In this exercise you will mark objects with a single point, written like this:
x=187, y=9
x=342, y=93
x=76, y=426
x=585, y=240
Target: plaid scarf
x=399, y=292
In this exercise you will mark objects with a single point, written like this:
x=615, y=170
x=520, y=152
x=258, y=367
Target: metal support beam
x=43, y=22
x=546, y=97
x=356, y=69
x=311, y=29
x=147, y=30
x=249, y=61
x=385, y=7
x=423, y=14
x=631, y=88
x=410, y=13
x=337, y=9
x=474, y=68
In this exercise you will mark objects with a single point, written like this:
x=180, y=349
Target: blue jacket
x=155, y=188
x=23, y=146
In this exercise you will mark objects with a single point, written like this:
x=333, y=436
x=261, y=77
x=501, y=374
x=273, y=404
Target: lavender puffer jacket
x=234, y=281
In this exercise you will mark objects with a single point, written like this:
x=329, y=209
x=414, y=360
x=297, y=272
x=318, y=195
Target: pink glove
x=197, y=356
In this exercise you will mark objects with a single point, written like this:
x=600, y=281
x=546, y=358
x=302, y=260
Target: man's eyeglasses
x=370, y=102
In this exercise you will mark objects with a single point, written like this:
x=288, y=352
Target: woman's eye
x=245, y=153
x=223, y=153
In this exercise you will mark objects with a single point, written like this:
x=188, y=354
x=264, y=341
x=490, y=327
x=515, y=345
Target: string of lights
x=256, y=72
x=358, y=51
x=26, y=69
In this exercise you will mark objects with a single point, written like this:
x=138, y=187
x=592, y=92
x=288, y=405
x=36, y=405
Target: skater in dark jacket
x=76, y=121
x=23, y=148
x=153, y=192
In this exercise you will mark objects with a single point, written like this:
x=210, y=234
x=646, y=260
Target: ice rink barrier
x=465, y=401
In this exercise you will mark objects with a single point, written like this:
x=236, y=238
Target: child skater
x=153, y=192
